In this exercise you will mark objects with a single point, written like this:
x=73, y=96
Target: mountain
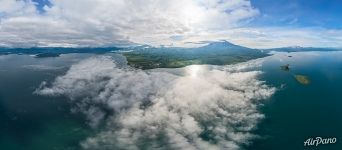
x=221, y=45
x=215, y=53
x=148, y=57
x=224, y=47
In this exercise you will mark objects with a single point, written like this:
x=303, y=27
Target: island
x=302, y=79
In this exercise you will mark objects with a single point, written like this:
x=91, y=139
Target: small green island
x=302, y=79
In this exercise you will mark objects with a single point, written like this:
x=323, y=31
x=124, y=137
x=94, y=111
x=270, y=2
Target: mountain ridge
x=215, y=53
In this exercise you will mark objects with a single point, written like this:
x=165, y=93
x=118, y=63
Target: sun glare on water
x=194, y=70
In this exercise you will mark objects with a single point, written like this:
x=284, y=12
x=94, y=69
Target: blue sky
x=41, y=3
x=301, y=13
x=252, y=23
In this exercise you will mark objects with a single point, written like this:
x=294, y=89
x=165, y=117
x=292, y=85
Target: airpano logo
x=319, y=140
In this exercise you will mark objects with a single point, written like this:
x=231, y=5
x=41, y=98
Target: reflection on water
x=294, y=113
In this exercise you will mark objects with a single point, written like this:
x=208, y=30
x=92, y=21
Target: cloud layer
x=107, y=22
x=196, y=107
x=83, y=23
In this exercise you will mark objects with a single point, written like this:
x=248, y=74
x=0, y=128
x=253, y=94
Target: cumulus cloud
x=10, y=8
x=108, y=22
x=196, y=107
x=83, y=23
x=100, y=82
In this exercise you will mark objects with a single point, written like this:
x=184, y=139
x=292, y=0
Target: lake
x=294, y=113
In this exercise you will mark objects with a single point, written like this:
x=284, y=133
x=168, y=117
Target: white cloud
x=107, y=22
x=155, y=22
x=196, y=107
x=10, y=8
x=271, y=37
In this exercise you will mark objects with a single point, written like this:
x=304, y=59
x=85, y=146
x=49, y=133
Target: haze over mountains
x=149, y=57
x=213, y=47
x=215, y=53
x=300, y=49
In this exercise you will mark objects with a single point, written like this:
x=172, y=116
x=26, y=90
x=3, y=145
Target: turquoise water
x=295, y=112
x=31, y=122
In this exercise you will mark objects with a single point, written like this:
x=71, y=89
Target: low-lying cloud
x=196, y=107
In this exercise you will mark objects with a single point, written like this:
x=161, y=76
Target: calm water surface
x=295, y=113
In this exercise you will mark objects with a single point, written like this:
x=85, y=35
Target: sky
x=103, y=23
